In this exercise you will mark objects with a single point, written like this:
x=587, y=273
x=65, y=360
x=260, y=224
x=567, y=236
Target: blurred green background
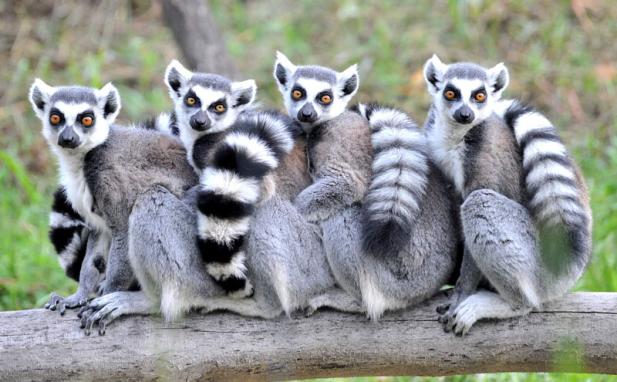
x=561, y=55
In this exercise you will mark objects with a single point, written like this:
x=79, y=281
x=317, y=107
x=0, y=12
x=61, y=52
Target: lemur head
x=465, y=93
x=206, y=103
x=314, y=94
x=75, y=119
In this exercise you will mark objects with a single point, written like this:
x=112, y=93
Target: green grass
x=559, y=61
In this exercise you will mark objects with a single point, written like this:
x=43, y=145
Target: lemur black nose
x=307, y=113
x=464, y=115
x=200, y=121
x=68, y=139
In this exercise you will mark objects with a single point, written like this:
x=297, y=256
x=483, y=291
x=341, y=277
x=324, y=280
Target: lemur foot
x=447, y=312
x=63, y=303
x=101, y=311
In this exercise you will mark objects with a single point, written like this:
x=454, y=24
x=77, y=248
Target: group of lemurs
x=222, y=205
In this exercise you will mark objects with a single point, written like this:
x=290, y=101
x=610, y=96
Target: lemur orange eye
x=480, y=97
x=87, y=121
x=449, y=94
x=219, y=108
x=326, y=99
x=190, y=101
x=296, y=94
x=54, y=119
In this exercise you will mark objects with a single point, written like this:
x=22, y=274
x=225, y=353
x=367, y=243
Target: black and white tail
x=400, y=172
x=164, y=122
x=555, y=191
x=232, y=186
x=68, y=233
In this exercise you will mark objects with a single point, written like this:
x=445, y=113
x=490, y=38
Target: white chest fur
x=78, y=193
x=448, y=151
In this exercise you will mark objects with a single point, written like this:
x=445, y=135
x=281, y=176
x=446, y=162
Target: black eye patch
x=326, y=93
x=86, y=114
x=191, y=95
x=449, y=89
x=218, y=106
x=56, y=112
x=479, y=91
x=298, y=93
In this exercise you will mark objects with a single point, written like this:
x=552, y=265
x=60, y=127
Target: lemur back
x=341, y=147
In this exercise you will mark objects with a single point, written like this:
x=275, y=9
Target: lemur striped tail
x=164, y=122
x=232, y=187
x=398, y=183
x=68, y=233
x=554, y=188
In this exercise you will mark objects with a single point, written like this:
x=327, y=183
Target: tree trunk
x=198, y=36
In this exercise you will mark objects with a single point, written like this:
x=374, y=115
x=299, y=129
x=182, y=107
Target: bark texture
x=578, y=333
x=198, y=36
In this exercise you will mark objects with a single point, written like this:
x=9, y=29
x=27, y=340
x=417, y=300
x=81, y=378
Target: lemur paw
x=62, y=304
x=448, y=311
x=464, y=316
x=100, y=312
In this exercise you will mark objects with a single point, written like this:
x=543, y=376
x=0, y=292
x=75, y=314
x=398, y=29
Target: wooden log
x=578, y=333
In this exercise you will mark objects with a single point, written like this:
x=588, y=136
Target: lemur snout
x=307, y=113
x=68, y=139
x=464, y=115
x=200, y=121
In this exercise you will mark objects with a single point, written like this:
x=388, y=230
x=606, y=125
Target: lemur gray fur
x=525, y=218
x=69, y=234
x=212, y=110
x=103, y=173
x=340, y=155
x=284, y=255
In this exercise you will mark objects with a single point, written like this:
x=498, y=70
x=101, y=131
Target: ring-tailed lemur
x=103, y=172
x=284, y=256
x=340, y=156
x=211, y=110
x=526, y=219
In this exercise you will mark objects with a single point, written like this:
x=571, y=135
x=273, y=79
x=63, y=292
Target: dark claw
x=309, y=311
x=102, y=325
x=62, y=309
x=443, y=308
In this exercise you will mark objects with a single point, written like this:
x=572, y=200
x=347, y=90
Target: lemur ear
x=109, y=101
x=176, y=76
x=243, y=93
x=498, y=79
x=349, y=81
x=434, y=71
x=39, y=96
x=283, y=70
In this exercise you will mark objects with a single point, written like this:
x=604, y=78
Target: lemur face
x=206, y=103
x=314, y=94
x=75, y=119
x=463, y=92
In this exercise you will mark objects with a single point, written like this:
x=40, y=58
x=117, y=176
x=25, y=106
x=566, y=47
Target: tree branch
x=41, y=345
